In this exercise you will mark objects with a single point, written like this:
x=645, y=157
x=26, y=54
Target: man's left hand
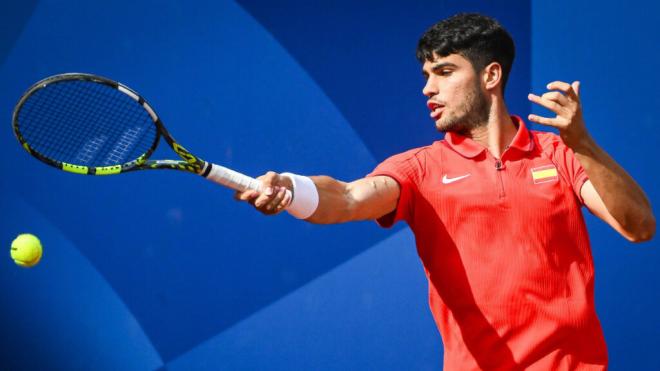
x=563, y=100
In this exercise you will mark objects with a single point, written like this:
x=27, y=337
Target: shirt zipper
x=499, y=167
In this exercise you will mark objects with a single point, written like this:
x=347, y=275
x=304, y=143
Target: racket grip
x=232, y=179
x=235, y=180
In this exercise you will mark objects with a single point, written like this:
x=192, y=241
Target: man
x=495, y=208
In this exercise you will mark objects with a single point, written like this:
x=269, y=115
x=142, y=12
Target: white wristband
x=305, y=196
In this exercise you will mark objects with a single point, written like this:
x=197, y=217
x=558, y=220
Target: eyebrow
x=439, y=66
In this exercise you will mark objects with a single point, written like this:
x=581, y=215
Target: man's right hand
x=274, y=198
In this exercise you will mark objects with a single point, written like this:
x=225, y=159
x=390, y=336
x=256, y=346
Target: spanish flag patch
x=545, y=174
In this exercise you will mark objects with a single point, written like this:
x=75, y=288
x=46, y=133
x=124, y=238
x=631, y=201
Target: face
x=456, y=99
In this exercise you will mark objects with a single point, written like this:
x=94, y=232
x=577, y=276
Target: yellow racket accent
x=108, y=170
x=75, y=168
x=141, y=160
x=184, y=153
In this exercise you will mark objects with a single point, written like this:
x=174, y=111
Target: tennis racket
x=87, y=124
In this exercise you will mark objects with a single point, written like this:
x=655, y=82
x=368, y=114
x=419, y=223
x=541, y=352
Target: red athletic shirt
x=505, y=250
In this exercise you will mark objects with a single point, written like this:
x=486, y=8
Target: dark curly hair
x=478, y=38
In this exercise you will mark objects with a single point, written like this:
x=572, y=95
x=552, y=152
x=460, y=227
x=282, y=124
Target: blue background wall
x=162, y=270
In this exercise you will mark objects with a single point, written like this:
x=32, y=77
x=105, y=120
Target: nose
x=430, y=89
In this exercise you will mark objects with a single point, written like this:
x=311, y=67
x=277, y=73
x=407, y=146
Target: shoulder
x=547, y=141
x=411, y=154
x=411, y=162
x=417, y=156
x=552, y=146
x=545, y=137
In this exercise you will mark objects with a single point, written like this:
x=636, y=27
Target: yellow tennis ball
x=26, y=250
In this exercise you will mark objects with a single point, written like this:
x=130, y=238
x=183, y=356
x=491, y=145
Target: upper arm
x=372, y=197
x=597, y=207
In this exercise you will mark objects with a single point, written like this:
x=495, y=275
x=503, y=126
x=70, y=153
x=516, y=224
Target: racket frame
x=190, y=162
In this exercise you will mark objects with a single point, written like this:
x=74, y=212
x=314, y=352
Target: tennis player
x=495, y=208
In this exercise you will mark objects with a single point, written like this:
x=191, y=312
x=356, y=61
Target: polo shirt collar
x=470, y=149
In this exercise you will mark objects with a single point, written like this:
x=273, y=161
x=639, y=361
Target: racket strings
x=85, y=123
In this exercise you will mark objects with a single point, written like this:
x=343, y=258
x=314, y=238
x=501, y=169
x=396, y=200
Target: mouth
x=436, y=109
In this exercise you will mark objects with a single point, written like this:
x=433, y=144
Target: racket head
x=88, y=124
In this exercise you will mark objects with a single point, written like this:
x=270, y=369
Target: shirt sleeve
x=406, y=171
x=574, y=171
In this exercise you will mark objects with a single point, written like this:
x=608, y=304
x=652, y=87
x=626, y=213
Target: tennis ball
x=26, y=250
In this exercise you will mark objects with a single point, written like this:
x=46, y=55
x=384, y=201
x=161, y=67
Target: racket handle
x=234, y=180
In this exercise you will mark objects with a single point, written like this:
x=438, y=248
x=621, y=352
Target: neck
x=498, y=132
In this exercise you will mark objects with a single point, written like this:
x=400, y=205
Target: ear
x=492, y=76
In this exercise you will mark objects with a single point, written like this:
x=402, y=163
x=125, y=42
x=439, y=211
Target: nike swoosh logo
x=446, y=180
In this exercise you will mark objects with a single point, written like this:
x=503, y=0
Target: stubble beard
x=473, y=113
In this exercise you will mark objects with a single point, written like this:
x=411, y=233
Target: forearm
x=335, y=202
x=623, y=197
x=322, y=199
x=363, y=199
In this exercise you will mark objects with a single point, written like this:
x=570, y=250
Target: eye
x=445, y=72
